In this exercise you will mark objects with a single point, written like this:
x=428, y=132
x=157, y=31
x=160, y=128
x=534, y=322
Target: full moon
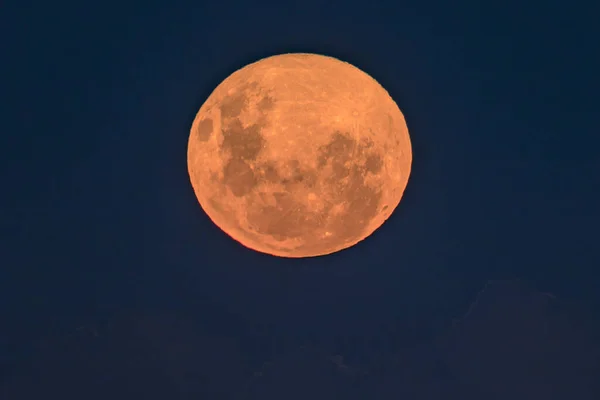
x=299, y=155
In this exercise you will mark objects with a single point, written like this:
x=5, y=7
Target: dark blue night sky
x=101, y=232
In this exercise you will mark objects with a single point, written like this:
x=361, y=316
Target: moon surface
x=299, y=155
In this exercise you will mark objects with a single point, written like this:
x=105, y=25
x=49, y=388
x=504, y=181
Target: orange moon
x=299, y=155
